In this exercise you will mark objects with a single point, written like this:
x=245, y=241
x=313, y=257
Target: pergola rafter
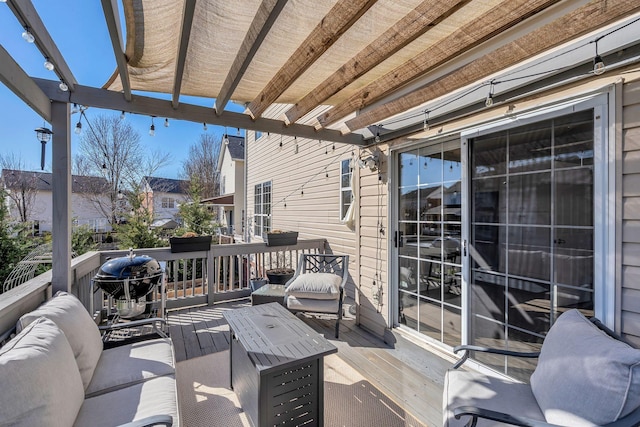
x=185, y=33
x=264, y=19
x=338, y=20
x=110, y=8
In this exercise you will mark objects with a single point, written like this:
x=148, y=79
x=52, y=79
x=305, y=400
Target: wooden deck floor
x=407, y=373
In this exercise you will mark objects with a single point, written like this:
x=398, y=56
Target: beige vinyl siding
x=314, y=214
x=630, y=289
x=373, y=201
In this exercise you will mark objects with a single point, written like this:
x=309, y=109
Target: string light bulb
x=152, y=128
x=377, y=138
x=63, y=86
x=78, y=129
x=48, y=64
x=122, y=115
x=166, y=123
x=75, y=108
x=598, y=63
x=27, y=36
x=425, y=124
x=489, y=101
x=204, y=127
x=225, y=139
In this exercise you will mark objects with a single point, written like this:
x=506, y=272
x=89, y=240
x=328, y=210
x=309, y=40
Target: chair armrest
x=156, y=420
x=488, y=414
x=469, y=348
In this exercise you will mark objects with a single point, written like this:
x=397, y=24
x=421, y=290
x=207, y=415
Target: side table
x=268, y=293
x=277, y=368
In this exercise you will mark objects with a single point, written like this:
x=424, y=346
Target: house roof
x=338, y=70
x=167, y=185
x=236, y=147
x=41, y=181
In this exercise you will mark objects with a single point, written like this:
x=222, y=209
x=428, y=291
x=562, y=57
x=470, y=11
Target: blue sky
x=80, y=32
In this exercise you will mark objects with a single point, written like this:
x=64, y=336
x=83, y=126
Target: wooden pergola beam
x=339, y=19
x=263, y=21
x=111, y=16
x=494, y=21
x=185, y=34
x=111, y=100
x=14, y=77
x=575, y=24
x=28, y=17
x=416, y=23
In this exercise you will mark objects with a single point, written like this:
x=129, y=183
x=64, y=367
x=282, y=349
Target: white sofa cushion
x=463, y=388
x=40, y=381
x=584, y=376
x=132, y=363
x=156, y=396
x=66, y=311
x=315, y=285
x=313, y=305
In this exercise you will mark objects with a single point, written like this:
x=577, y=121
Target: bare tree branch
x=111, y=148
x=202, y=163
x=22, y=186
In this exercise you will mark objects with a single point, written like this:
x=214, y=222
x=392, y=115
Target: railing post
x=211, y=282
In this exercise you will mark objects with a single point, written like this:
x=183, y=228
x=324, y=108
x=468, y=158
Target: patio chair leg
x=337, y=326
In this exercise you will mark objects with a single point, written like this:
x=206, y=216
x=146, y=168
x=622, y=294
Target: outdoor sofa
x=585, y=376
x=56, y=372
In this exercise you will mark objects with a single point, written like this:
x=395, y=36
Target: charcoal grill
x=129, y=280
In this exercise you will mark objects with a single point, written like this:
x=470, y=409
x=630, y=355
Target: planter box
x=281, y=239
x=190, y=244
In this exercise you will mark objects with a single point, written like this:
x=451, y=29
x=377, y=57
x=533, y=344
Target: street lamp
x=44, y=135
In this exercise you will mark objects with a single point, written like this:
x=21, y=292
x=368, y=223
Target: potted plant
x=282, y=272
x=281, y=238
x=190, y=242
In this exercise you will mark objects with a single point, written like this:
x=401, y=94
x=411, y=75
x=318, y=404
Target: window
x=346, y=194
x=258, y=135
x=168, y=202
x=262, y=208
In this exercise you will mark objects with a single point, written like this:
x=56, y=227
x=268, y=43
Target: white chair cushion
x=125, y=365
x=463, y=388
x=156, y=396
x=584, y=376
x=40, y=381
x=313, y=305
x=66, y=311
x=315, y=285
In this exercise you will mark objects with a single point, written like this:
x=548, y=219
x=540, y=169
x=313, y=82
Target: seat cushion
x=462, y=388
x=315, y=305
x=125, y=365
x=316, y=286
x=156, y=396
x=583, y=375
x=40, y=381
x=66, y=311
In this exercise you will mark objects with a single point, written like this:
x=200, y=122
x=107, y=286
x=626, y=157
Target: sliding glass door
x=531, y=233
x=428, y=241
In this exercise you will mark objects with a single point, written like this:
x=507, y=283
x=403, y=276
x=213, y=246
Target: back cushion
x=40, y=381
x=583, y=375
x=315, y=286
x=66, y=311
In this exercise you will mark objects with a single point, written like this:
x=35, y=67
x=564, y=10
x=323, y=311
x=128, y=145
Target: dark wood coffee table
x=277, y=370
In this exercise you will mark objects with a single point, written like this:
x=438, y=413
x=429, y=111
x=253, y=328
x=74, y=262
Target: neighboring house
x=481, y=230
x=163, y=196
x=33, y=192
x=231, y=202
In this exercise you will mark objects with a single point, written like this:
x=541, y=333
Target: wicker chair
x=318, y=285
